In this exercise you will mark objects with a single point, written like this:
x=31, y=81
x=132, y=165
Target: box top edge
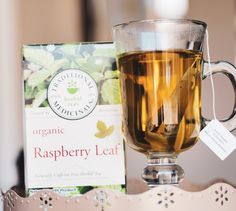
x=69, y=43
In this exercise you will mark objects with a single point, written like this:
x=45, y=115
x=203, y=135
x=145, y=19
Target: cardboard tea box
x=73, y=140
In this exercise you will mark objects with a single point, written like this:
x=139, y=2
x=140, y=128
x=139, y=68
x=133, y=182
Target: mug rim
x=192, y=21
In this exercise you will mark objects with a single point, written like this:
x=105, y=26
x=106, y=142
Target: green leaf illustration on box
x=42, y=63
x=110, y=91
x=39, y=57
x=40, y=97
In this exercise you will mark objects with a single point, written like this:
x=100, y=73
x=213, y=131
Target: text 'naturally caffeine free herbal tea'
x=73, y=139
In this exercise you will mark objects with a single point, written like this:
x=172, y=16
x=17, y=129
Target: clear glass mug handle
x=229, y=70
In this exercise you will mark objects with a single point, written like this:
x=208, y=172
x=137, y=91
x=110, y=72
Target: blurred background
x=62, y=21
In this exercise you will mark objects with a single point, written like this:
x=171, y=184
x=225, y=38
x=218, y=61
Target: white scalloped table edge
x=219, y=196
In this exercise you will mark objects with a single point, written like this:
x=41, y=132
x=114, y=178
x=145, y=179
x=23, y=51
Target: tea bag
x=215, y=135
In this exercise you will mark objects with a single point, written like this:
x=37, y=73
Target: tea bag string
x=211, y=77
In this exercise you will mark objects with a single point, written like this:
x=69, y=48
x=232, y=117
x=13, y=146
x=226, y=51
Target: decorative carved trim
x=219, y=196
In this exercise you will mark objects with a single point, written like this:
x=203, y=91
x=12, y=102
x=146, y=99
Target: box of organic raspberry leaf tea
x=73, y=140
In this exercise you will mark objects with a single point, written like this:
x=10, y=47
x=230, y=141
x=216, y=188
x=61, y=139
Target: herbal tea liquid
x=161, y=93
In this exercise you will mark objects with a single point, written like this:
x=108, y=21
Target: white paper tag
x=218, y=139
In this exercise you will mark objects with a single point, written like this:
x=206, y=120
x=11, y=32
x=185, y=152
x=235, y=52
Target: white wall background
x=10, y=86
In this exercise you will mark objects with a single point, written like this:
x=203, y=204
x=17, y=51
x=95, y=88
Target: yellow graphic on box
x=103, y=130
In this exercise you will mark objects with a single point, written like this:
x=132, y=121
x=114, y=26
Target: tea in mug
x=162, y=99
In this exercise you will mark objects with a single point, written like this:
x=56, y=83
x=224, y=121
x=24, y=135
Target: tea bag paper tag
x=218, y=139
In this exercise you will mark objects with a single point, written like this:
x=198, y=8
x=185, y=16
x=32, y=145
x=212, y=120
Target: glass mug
x=161, y=67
